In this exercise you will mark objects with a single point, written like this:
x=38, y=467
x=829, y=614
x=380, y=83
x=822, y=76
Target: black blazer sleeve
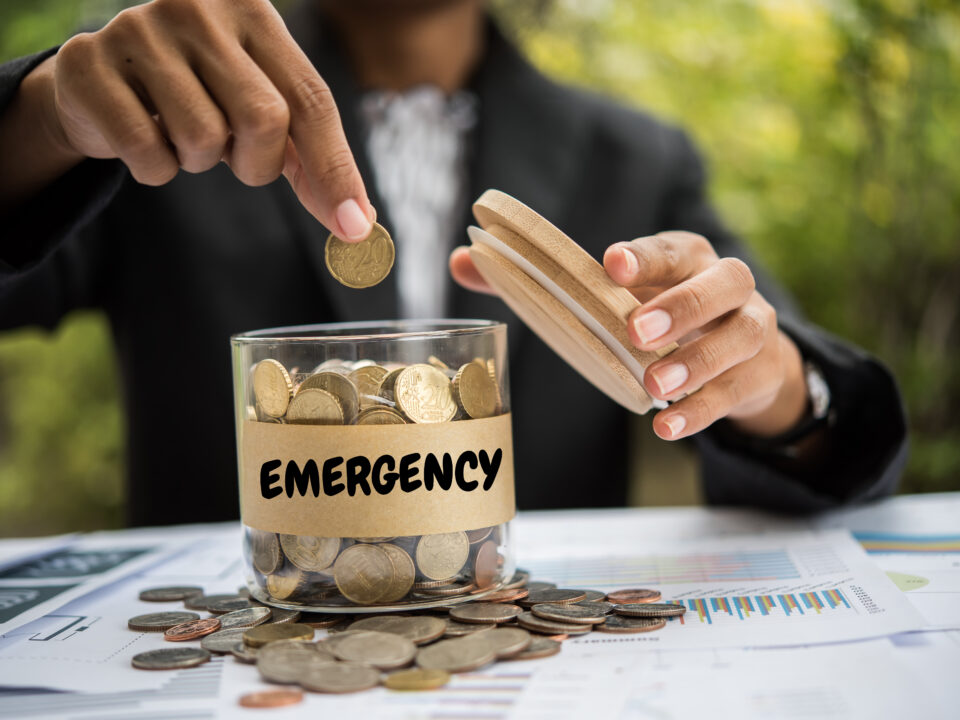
x=49, y=246
x=865, y=445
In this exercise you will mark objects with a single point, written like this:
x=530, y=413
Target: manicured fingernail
x=676, y=424
x=670, y=377
x=652, y=325
x=354, y=224
x=630, y=262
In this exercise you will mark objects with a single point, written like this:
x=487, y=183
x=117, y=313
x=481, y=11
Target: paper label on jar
x=376, y=480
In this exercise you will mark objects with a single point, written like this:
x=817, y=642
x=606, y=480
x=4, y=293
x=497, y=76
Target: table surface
x=915, y=540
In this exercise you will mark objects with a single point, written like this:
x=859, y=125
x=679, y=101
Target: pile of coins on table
x=384, y=570
x=375, y=571
x=339, y=392
x=522, y=621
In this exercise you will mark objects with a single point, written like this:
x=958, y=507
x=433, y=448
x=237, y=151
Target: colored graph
x=898, y=543
x=745, y=607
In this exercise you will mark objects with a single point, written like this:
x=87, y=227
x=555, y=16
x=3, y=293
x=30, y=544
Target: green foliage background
x=831, y=130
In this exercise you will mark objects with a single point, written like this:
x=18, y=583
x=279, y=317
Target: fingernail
x=630, y=262
x=652, y=325
x=354, y=224
x=676, y=424
x=670, y=377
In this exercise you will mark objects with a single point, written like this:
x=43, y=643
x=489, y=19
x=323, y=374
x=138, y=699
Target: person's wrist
x=791, y=404
x=39, y=91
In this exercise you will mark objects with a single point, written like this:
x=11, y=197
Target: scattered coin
x=539, y=647
x=361, y=264
x=506, y=595
x=601, y=607
x=244, y=653
x=634, y=595
x=458, y=629
x=222, y=607
x=506, y=641
x=619, y=624
x=457, y=654
x=529, y=621
x=169, y=594
x=552, y=595
x=538, y=585
x=650, y=609
x=286, y=661
x=417, y=679
x=368, y=647
x=248, y=617
x=222, y=641
x=284, y=615
x=419, y=629
x=271, y=698
x=568, y=613
x=192, y=630
x=203, y=602
x=170, y=658
x=318, y=620
x=484, y=612
x=159, y=622
x=593, y=596
x=272, y=632
x=340, y=678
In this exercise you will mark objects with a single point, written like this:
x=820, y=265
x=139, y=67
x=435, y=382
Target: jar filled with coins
x=375, y=463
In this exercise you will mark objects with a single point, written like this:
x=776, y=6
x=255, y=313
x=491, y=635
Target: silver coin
x=481, y=612
x=593, y=596
x=244, y=653
x=248, y=617
x=538, y=585
x=170, y=593
x=539, y=647
x=158, y=622
x=458, y=629
x=170, y=658
x=656, y=610
x=457, y=654
x=568, y=613
x=222, y=607
x=283, y=615
x=529, y=621
x=506, y=641
x=385, y=651
x=620, y=624
x=222, y=641
x=202, y=602
x=286, y=662
x=552, y=595
x=340, y=678
x=599, y=606
x=419, y=629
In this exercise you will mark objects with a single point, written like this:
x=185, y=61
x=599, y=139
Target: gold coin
x=442, y=556
x=265, y=550
x=362, y=264
x=272, y=387
x=310, y=553
x=286, y=583
x=340, y=387
x=262, y=634
x=424, y=394
x=363, y=573
x=417, y=679
x=438, y=363
x=388, y=384
x=315, y=407
x=474, y=391
x=380, y=416
x=405, y=572
x=367, y=380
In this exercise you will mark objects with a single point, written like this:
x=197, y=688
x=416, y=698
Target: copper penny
x=271, y=698
x=485, y=565
x=192, y=630
x=634, y=595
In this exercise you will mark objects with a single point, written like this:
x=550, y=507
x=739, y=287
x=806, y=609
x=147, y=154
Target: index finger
x=661, y=260
x=334, y=191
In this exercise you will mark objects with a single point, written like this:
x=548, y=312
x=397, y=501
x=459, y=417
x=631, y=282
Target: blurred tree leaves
x=831, y=131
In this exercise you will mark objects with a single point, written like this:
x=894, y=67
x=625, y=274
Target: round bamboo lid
x=563, y=295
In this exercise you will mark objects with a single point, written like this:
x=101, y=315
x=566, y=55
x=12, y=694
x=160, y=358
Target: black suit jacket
x=180, y=268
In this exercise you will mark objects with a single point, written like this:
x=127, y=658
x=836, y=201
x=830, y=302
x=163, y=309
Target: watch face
x=818, y=390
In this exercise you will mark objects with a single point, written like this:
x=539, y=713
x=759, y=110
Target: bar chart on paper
x=775, y=589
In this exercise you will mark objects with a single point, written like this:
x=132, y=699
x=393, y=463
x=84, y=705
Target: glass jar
x=375, y=462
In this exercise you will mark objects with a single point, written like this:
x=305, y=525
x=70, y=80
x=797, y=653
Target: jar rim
x=367, y=331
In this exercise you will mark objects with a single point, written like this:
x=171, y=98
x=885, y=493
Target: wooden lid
x=563, y=295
